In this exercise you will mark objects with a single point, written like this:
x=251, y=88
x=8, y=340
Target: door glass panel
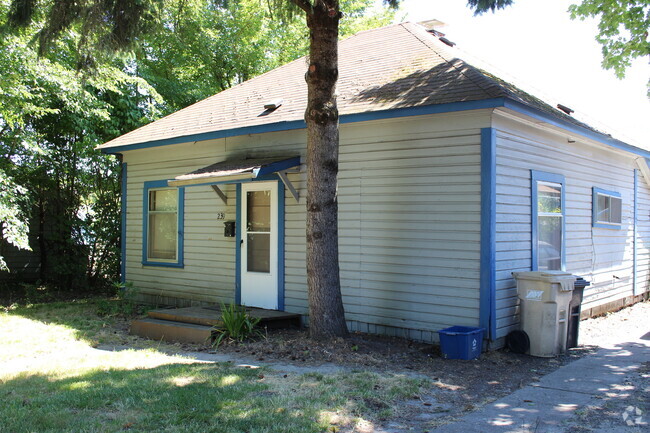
x=259, y=249
x=258, y=211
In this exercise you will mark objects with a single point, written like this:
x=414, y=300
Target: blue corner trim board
x=123, y=227
x=145, y=225
x=594, y=208
x=396, y=113
x=238, y=240
x=634, y=233
x=540, y=176
x=488, y=233
x=281, y=198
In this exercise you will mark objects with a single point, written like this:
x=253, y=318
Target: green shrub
x=123, y=304
x=236, y=325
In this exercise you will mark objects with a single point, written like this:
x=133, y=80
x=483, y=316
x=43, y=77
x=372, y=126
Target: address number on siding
x=221, y=215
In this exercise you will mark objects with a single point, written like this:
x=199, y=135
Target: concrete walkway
x=592, y=394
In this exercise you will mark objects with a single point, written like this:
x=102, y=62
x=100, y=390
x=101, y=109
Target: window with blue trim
x=548, y=221
x=607, y=209
x=162, y=225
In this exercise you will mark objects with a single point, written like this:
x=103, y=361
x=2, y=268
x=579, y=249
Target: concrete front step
x=167, y=330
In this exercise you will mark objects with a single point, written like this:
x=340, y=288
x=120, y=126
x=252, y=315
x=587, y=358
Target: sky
x=536, y=45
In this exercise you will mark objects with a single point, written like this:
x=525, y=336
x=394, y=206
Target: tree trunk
x=326, y=315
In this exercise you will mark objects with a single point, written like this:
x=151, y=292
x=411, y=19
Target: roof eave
x=605, y=139
x=300, y=124
x=502, y=102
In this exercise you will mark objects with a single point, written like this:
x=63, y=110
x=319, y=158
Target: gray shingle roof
x=398, y=66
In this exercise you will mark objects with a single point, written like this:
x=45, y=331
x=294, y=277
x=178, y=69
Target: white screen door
x=259, y=245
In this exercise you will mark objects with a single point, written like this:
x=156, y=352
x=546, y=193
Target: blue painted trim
x=549, y=118
x=281, y=198
x=540, y=176
x=300, y=124
x=606, y=192
x=449, y=107
x=488, y=232
x=594, y=209
x=238, y=240
x=635, y=267
x=278, y=166
x=396, y=113
x=179, y=263
x=123, y=224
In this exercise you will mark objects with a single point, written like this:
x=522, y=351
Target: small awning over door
x=240, y=170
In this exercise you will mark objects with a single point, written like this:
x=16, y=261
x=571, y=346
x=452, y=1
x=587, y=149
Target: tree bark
x=326, y=314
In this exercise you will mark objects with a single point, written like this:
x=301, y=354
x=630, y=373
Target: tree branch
x=305, y=5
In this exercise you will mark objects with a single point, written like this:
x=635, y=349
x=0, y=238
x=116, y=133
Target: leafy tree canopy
x=482, y=6
x=622, y=29
x=79, y=73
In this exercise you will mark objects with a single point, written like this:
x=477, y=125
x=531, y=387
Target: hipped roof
x=398, y=66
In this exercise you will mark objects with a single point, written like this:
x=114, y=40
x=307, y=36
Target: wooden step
x=211, y=316
x=166, y=330
x=196, y=315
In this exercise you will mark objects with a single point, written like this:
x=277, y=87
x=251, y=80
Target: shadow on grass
x=79, y=316
x=170, y=398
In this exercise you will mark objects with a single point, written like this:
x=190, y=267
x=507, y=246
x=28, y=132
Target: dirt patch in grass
x=454, y=386
x=443, y=391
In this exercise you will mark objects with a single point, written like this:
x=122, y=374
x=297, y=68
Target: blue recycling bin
x=461, y=342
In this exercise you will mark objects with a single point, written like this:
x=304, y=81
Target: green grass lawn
x=52, y=379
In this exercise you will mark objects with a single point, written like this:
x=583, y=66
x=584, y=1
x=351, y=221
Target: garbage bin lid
x=550, y=276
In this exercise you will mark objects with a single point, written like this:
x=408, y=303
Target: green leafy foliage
x=123, y=304
x=482, y=6
x=12, y=223
x=66, y=87
x=622, y=29
x=236, y=325
x=52, y=179
x=198, y=48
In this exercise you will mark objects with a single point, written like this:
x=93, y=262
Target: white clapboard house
x=450, y=179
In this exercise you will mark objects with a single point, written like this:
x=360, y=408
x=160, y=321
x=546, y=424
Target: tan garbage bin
x=544, y=300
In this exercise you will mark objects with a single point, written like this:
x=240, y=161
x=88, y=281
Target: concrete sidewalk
x=598, y=393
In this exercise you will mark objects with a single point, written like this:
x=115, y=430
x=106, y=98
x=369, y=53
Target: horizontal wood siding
x=409, y=205
x=409, y=222
x=209, y=271
x=643, y=236
x=602, y=256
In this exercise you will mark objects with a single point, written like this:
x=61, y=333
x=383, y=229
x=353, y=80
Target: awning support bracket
x=220, y=193
x=285, y=180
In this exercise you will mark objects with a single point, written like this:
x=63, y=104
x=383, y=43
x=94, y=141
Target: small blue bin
x=461, y=342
